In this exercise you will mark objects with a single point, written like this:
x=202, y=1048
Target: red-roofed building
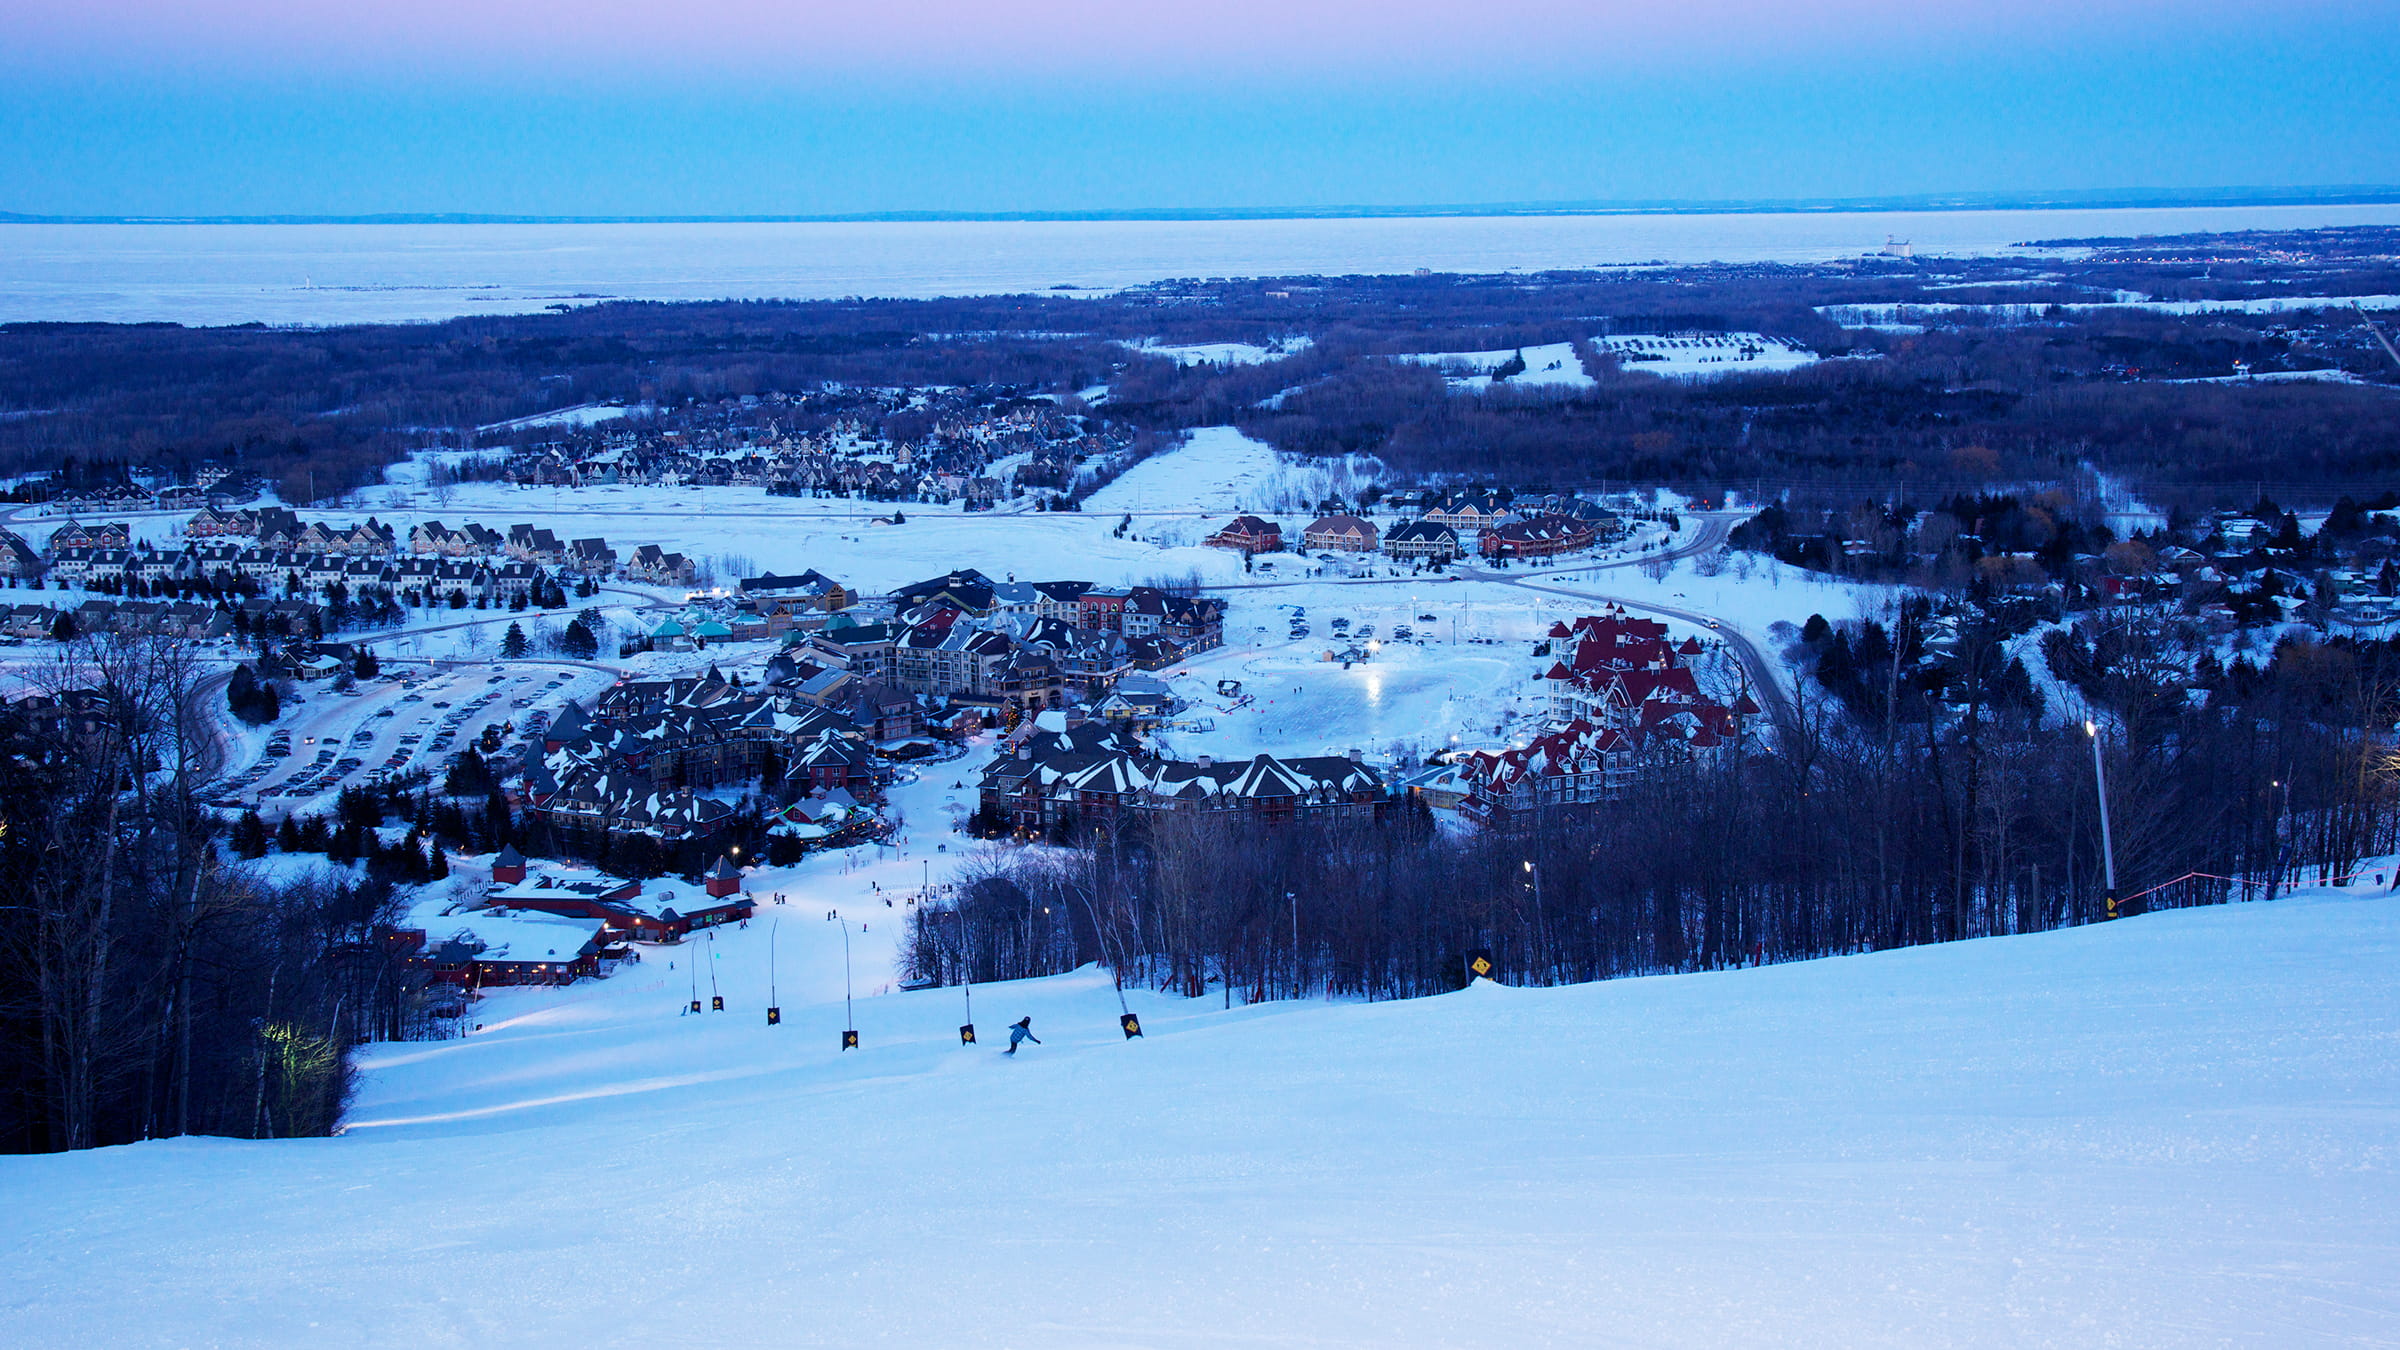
x=1247, y=535
x=1624, y=697
x=1537, y=537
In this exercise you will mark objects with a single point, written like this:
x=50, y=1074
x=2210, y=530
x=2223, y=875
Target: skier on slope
x=1022, y=1031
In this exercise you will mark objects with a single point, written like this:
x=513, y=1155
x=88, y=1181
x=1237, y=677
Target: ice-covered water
x=329, y=274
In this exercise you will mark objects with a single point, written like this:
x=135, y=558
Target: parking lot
x=386, y=728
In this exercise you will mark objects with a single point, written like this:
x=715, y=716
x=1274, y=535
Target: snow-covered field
x=746, y=531
x=1222, y=353
x=1752, y=592
x=1868, y=315
x=1705, y=356
x=2173, y=1130
x=581, y=415
x=1552, y=365
x=2278, y=377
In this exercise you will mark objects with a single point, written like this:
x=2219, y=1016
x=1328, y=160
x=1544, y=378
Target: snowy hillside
x=1215, y=469
x=2173, y=1130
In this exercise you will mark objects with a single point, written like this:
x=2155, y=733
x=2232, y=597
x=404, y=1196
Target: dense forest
x=2024, y=388
x=152, y=984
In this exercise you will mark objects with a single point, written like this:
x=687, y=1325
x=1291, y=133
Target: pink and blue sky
x=758, y=107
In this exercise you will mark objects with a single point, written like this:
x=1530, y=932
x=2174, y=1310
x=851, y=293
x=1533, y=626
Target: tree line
x=1948, y=806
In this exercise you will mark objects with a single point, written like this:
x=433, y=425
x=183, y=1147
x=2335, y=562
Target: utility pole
x=2108, y=848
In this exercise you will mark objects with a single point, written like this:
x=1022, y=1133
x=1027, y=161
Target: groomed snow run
x=2173, y=1130
x=1215, y=469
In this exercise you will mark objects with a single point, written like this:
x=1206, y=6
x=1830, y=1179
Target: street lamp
x=2108, y=849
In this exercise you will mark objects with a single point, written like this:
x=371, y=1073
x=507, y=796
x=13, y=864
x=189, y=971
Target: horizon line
x=1913, y=203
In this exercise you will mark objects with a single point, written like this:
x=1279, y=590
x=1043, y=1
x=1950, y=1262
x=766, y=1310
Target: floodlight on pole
x=2108, y=848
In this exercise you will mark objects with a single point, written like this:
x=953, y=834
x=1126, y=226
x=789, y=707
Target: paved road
x=205, y=708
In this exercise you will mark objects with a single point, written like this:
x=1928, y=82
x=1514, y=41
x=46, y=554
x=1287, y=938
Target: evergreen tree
x=469, y=775
x=512, y=644
x=577, y=641
x=250, y=836
x=241, y=694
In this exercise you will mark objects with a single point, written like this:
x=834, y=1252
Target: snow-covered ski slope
x=2174, y=1130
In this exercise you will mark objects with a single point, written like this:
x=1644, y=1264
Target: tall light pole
x=2275, y=875
x=1293, y=899
x=1540, y=942
x=2108, y=848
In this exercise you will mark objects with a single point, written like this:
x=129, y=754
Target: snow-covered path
x=2174, y=1130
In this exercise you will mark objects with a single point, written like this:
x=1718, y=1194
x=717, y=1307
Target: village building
x=18, y=559
x=1341, y=534
x=1470, y=510
x=1537, y=537
x=1248, y=535
x=1097, y=776
x=1625, y=699
x=1421, y=540
x=635, y=910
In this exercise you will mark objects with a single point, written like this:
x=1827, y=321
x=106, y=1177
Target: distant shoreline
x=2124, y=199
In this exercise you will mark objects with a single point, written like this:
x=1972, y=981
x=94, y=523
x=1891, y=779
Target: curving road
x=1765, y=683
